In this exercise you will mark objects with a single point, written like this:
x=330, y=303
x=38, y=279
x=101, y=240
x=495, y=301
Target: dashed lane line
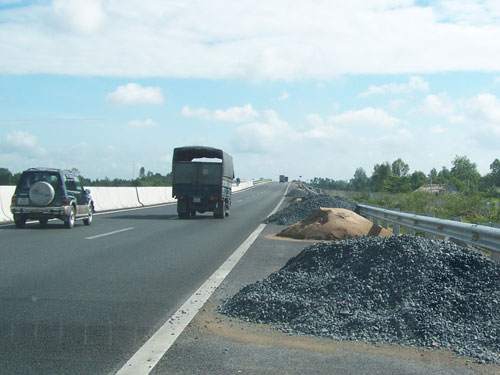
x=109, y=233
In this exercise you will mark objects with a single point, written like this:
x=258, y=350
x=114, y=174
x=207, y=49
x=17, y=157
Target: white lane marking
x=146, y=358
x=109, y=233
x=281, y=201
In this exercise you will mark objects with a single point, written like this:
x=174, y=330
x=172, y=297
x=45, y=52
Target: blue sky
x=312, y=89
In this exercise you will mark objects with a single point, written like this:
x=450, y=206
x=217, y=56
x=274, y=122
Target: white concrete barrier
x=243, y=185
x=6, y=193
x=113, y=198
x=151, y=195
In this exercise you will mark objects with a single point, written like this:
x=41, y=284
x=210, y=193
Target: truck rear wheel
x=182, y=209
x=220, y=210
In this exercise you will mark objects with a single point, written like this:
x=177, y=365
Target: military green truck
x=202, y=178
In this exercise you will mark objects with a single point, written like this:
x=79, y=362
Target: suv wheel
x=20, y=221
x=88, y=220
x=70, y=220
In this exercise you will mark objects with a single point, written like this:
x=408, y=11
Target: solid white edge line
x=109, y=233
x=148, y=355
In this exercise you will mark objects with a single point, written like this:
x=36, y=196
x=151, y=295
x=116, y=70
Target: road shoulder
x=217, y=344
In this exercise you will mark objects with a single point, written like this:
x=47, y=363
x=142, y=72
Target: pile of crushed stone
x=403, y=290
x=304, y=207
x=327, y=224
x=297, y=193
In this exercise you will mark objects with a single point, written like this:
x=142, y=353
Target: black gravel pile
x=296, y=212
x=297, y=193
x=403, y=290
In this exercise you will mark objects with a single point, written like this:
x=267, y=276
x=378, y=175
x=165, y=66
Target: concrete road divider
x=6, y=193
x=242, y=186
x=114, y=198
x=152, y=195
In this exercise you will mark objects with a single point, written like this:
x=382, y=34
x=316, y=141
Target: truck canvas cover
x=183, y=154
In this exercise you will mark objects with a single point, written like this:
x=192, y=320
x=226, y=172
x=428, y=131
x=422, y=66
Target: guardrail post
x=385, y=224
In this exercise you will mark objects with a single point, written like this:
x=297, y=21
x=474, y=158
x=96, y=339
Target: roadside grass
x=471, y=208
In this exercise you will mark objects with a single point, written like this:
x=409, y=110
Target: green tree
x=400, y=168
x=395, y=184
x=380, y=176
x=495, y=172
x=360, y=181
x=433, y=176
x=417, y=179
x=142, y=173
x=443, y=176
x=464, y=174
x=5, y=176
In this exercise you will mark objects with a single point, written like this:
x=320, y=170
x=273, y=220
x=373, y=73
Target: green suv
x=45, y=193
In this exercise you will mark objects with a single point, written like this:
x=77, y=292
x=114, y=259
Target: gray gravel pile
x=403, y=290
x=296, y=212
x=297, y=193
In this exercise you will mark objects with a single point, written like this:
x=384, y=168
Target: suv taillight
x=64, y=201
x=14, y=200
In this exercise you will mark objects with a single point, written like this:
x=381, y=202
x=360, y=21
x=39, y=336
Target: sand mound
x=333, y=224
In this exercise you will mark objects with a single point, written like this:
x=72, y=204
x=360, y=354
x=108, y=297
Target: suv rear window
x=28, y=179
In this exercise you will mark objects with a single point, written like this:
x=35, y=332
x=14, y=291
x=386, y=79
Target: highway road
x=82, y=301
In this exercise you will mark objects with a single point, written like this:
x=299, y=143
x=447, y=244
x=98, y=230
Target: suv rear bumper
x=41, y=212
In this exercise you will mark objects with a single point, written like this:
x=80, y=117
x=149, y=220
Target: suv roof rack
x=48, y=169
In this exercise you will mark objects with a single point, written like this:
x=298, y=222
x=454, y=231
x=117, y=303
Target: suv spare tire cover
x=41, y=193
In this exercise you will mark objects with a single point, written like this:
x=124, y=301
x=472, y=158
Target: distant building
x=437, y=189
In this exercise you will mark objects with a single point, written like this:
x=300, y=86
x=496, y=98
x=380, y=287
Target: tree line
x=144, y=179
x=395, y=177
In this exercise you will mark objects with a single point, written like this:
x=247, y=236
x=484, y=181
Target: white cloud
x=438, y=129
x=142, y=123
x=415, y=83
x=232, y=114
x=284, y=96
x=79, y=16
x=317, y=128
x=485, y=108
x=367, y=116
x=22, y=143
x=282, y=39
x=483, y=113
x=440, y=105
x=469, y=12
x=395, y=104
x=133, y=93
x=268, y=135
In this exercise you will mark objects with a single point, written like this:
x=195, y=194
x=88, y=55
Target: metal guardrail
x=472, y=234
x=307, y=188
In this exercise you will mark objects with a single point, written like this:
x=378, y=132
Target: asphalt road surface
x=82, y=301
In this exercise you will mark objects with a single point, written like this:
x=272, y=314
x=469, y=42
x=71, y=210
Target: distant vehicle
x=46, y=193
x=202, y=185
x=283, y=178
